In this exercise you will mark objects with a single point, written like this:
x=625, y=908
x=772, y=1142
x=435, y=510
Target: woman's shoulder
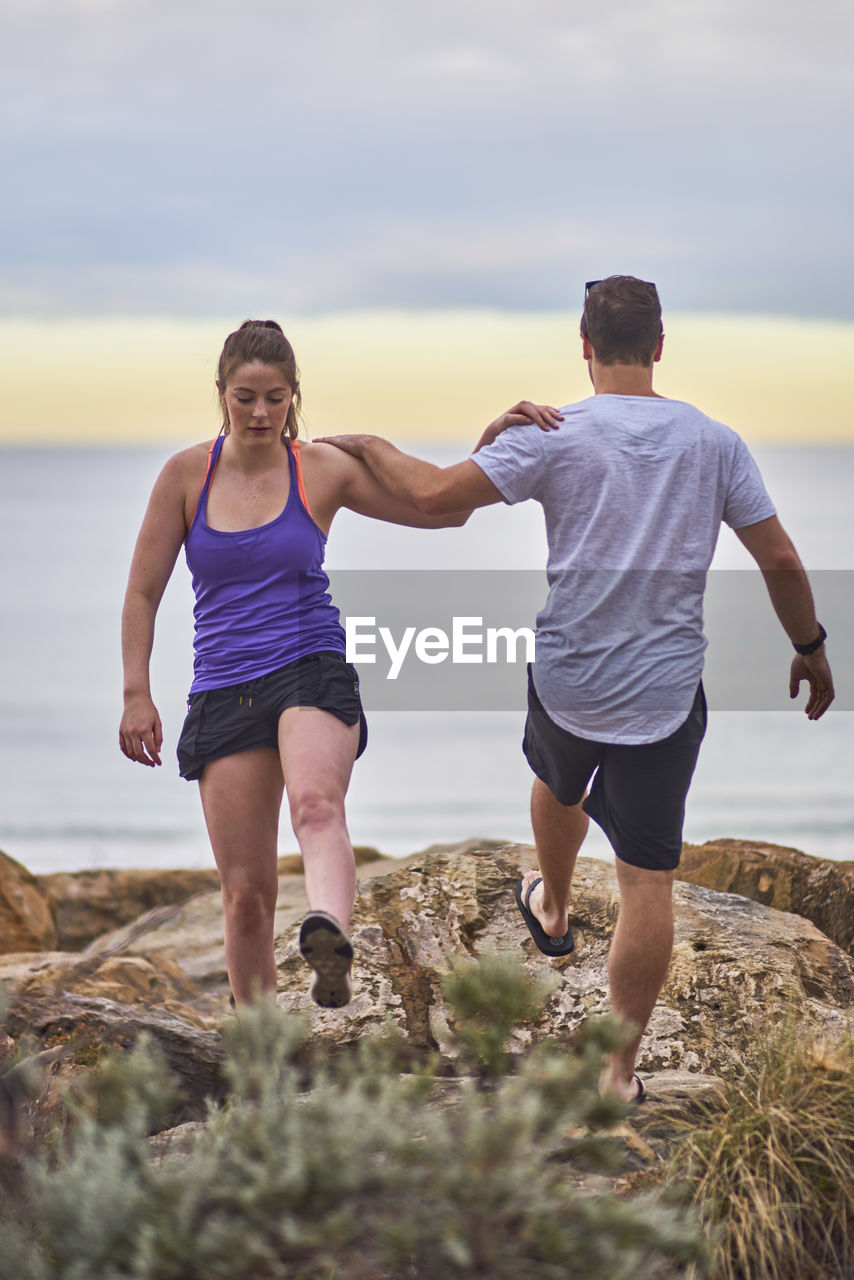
x=182, y=476
x=323, y=458
x=187, y=463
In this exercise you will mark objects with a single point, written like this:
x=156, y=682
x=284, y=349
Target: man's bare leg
x=643, y=937
x=559, y=831
x=637, y=963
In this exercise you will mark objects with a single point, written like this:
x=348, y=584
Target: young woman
x=273, y=703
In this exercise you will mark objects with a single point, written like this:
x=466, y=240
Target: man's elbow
x=770, y=545
x=453, y=519
x=434, y=500
x=780, y=558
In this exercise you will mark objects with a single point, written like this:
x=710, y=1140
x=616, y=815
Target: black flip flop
x=640, y=1096
x=325, y=946
x=547, y=944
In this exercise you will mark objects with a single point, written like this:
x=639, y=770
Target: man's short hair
x=622, y=320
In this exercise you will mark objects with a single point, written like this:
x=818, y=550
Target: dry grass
x=773, y=1168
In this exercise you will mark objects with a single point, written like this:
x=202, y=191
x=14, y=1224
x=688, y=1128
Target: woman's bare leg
x=241, y=798
x=317, y=752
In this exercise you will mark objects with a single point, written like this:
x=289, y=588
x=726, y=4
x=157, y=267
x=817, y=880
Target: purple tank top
x=262, y=595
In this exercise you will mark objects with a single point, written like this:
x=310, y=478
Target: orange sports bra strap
x=209, y=470
x=298, y=466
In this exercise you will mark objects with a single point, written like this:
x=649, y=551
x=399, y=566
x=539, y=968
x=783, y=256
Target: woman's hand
x=522, y=414
x=140, y=732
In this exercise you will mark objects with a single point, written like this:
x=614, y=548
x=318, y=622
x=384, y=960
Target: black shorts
x=243, y=717
x=638, y=793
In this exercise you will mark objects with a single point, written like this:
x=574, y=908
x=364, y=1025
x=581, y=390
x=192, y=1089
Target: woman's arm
x=163, y=530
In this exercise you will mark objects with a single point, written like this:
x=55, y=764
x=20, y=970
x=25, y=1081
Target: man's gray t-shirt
x=634, y=489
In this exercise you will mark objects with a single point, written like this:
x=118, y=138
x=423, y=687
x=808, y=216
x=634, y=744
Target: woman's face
x=257, y=398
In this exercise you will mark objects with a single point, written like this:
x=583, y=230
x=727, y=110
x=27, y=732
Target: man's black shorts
x=243, y=717
x=638, y=793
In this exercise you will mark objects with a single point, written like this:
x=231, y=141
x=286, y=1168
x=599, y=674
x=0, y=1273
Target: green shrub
x=489, y=1000
x=367, y=1174
x=772, y=1164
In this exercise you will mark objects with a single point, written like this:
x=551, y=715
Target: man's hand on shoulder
x=523, y=414
x=355, y=445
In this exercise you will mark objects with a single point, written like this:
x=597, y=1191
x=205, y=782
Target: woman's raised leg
x=317, y=751
x=241, y=798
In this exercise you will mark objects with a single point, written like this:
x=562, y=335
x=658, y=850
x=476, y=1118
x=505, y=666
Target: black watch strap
x=806, y=649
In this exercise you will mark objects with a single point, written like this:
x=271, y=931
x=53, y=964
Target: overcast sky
x=203, y=157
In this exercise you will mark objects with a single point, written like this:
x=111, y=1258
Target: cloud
x=461, y=153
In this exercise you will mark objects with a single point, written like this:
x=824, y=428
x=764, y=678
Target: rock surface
x=154, y=981
x=90, y=903
x=819, y=889
x=87, y=1026
x=737, y=964
x=27, y=921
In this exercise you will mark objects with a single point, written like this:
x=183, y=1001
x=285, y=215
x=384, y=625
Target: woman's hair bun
x=262, y=324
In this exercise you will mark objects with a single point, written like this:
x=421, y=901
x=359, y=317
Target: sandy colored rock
x=737, y=967
x=819, y=889
x=155, y=981
x=88, y=904
x=17, y=966
x=736, y=963
x=27, y=921
x=191, y=933
x=89, y=1026
x=733, y=959
x=192, y=928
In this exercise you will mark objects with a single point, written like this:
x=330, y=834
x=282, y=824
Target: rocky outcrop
x=819, y=889
x=27, y=921
x=735, y=963
x=737, y=966
x=156, y=981
x=192, y=933
x=88, y=1026
x=88, y=904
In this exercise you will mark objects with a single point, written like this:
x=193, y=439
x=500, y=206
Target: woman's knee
x=315, y=808
x=249, y=905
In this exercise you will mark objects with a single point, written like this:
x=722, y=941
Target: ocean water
x=70, y=800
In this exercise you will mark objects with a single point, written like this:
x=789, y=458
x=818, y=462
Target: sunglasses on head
x=591, y=284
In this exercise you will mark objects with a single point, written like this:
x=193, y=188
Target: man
x=634, y=487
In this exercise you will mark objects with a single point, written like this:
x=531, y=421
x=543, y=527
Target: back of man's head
x=622, y=320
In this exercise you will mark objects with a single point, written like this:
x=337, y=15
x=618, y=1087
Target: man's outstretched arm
x=441, y=490
x=789, y=589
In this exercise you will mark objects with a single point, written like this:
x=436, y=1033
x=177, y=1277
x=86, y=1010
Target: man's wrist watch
x=806, y=649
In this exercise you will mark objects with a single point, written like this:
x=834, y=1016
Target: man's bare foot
x=555, y=922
